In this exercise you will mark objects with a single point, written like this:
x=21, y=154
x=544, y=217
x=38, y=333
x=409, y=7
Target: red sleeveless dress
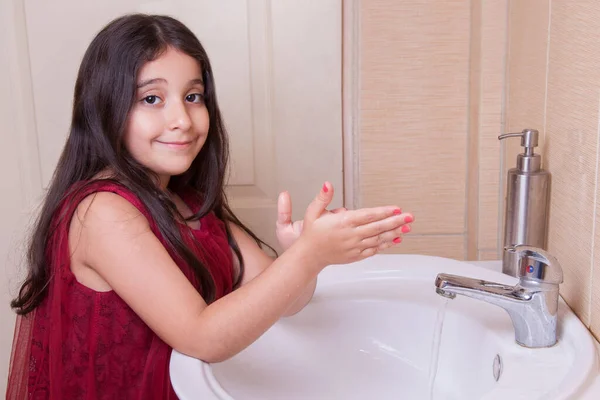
x=88, y=345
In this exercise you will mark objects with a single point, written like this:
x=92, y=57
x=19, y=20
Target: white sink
x=370, y=333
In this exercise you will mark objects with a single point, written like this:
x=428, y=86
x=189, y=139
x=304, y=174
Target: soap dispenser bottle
x=527, y=201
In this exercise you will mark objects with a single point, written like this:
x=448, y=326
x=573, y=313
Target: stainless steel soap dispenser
x=527, y=201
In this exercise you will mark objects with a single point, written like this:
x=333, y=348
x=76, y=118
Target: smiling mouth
x=177, y=145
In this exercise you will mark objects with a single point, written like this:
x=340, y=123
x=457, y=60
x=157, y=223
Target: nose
x=178, y=116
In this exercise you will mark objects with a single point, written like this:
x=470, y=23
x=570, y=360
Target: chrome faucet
x=532, y=303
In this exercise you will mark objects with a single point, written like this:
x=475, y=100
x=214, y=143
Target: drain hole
x=497, y=367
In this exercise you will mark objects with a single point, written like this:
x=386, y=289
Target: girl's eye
x=195, y=98
x=152, y=99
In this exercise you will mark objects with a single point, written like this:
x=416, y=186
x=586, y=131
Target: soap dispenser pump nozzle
x=527, y=161
x=529, y=139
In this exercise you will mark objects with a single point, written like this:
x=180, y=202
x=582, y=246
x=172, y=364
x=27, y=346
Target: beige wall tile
x=472, y=198
x=451, y=246
x=493, y=63
x=571, y=143
x=526, y=64
x=414, y=88
x=489, y=255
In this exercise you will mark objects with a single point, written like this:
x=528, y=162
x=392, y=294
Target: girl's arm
x=116, y=242
x=256, y=261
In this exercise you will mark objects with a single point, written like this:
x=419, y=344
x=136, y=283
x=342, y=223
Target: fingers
x=371, y=251
x=387, y=245
x=385, y=225
x=368, y=252
x=378, y=245
x=320, y=203
x=366, y=216
x=284, y=209
x=386, y=239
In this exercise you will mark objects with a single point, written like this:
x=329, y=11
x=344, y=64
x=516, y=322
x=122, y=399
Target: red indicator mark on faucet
x=530, y=269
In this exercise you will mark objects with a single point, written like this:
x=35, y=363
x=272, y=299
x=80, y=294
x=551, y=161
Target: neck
x=164, y=181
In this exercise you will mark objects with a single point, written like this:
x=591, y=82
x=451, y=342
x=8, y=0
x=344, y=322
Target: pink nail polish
x=397, y=211
x=408, y=219
x=406, y=229
x=397, y=240
x=325, y=188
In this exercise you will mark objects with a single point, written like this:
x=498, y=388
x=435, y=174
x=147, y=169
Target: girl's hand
x=288, y=231
x=348, y=236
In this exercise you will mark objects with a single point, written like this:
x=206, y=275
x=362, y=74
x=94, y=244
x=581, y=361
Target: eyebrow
x=197, y=81
x=150, y=82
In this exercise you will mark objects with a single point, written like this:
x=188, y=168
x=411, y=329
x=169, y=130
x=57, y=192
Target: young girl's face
x=168, y=123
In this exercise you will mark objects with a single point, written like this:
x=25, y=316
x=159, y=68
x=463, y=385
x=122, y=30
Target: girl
x=136, y=251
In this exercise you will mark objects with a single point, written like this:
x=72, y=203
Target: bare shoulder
x=104, y=224
x=107, y=211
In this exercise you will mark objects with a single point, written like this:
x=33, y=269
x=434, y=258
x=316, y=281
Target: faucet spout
x=491, y=292
x=532, y=306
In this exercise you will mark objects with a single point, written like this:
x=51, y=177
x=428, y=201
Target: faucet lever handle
x=537, y=264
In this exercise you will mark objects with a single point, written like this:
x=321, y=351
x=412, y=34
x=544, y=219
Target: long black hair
x=104, y=94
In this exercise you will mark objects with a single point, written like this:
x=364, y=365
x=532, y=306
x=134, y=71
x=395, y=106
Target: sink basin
x=377, y=329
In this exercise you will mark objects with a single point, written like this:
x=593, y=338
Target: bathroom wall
x=431, y=78
x=553, y=75
x=440, y=80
